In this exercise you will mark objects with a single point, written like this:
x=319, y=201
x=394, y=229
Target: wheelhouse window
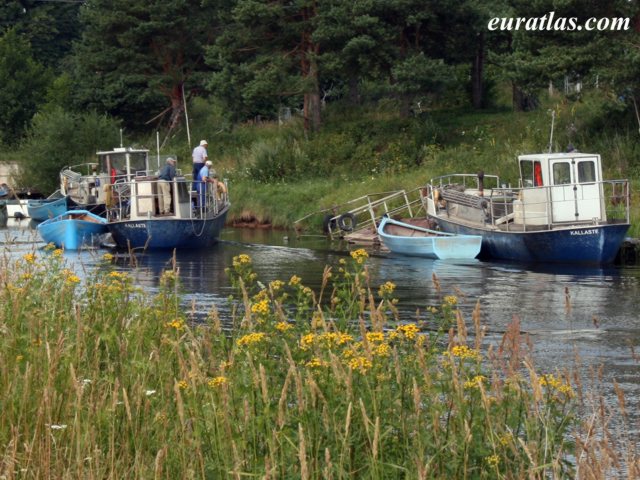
x=531, y=173
x=586, y=172
x=561, y=173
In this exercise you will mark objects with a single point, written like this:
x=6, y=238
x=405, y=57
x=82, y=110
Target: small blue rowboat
x=414, y=240
x=43, y=209
x=73, y=229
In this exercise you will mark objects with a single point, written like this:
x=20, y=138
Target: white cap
x=203, y=142
x=208, y=163
x=171, y=159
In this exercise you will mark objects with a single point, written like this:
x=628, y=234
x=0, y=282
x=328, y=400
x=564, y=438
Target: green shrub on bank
x=99, y=380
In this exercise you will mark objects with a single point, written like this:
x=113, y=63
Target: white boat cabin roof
x=124, y=161
x=547, y=169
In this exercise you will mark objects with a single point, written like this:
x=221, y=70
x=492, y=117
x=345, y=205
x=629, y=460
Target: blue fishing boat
x=73, y=229
x=417, y=241
x=133, y=201
x=562, y=211
x=50, y=207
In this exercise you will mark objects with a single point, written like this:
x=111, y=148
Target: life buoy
x=347, y=222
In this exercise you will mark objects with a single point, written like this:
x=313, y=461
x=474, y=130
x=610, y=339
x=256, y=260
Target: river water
x=576, y=317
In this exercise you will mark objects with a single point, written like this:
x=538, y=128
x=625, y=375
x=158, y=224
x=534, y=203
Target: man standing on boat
x=205, y=175
x=165, y=177
x=200, y=156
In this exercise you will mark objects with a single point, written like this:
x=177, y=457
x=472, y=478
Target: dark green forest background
x=295, y=90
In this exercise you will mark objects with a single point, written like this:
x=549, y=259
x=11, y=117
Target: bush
x=58, y=138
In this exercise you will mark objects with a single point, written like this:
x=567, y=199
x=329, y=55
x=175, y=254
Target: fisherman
x=165, y=177
x=200, y=156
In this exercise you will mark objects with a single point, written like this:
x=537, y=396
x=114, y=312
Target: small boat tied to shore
x=561, y=212
x=409, y=238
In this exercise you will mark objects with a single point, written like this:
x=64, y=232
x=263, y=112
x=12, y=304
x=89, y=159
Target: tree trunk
x=477, y=74
x=312, y=106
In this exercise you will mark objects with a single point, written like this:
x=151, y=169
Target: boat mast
x=553, y=117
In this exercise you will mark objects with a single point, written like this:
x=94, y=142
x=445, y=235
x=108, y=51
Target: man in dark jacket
x=165, y=177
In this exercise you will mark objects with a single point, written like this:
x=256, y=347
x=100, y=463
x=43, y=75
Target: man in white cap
x=200, y=156
x=165, y=177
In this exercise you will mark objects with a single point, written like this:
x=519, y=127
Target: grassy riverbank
x=102, y=380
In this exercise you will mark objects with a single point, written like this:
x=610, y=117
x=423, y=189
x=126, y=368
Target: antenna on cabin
x=121, y=145
x=186, y=116
x=553, y=118
x=158, y=147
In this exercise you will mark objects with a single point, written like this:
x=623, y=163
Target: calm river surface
x=600, y=329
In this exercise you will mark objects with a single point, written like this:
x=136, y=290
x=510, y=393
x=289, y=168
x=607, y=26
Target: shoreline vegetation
x=102, y=380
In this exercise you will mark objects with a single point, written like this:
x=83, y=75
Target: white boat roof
x=123, y=150
x=556, y=155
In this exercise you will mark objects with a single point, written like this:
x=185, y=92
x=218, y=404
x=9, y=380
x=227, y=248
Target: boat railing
x=141, y=198
x=363, y=214
x=539, y=208
x=467, y=181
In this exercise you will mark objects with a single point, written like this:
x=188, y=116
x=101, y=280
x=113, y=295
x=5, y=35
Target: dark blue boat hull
x=161, y=233
x=595, y=244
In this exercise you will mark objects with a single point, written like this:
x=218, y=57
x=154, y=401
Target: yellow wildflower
x=360, y=364
x=217, y=381
x=30, y=258
x=450, y=300
x=49, y=246
x=251, y=339
x=57, y=252
x=360, y=255
x=71, y=279
x=283, y=326
x=242, y=259
x=474, y=382
x=464, y=352
x=382, y=350
x=107, y=257
x=549, y=380
x=493, y=460
x=307, y=341
x=344, y=338
x=375, y=337
x=315, y=362
x=294, y=280
x=177, y=323
x=262, y=307
x=410, y=330
x=182, y=384
x=276, y=285
x=386, y=289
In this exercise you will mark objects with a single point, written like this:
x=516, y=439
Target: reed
x=101, y=380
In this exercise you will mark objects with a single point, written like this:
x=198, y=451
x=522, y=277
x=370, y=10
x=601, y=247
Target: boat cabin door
x=575, y=188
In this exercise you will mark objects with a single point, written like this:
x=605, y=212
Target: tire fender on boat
x=347, y=222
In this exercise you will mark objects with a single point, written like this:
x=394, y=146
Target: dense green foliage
x=23, y=84
x=45, y=148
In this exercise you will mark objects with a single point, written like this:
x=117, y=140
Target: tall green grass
x=102, y=380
